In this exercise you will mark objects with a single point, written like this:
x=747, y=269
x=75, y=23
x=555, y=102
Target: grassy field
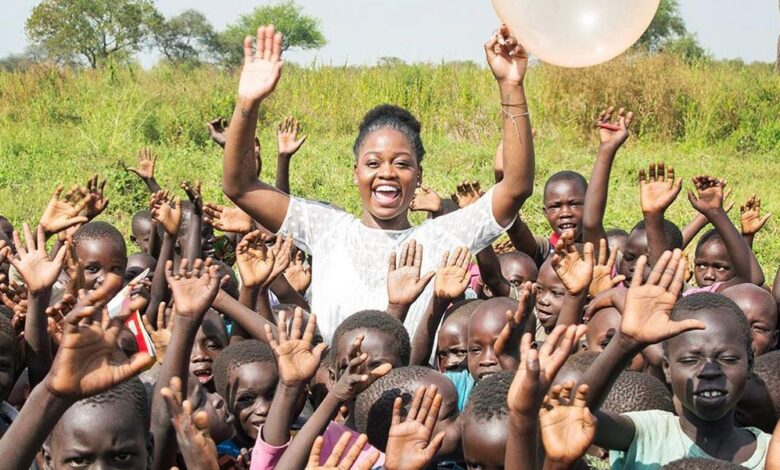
x=721, y=118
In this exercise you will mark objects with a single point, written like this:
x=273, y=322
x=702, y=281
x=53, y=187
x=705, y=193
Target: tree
x=185, y=38
x=686, y=47
x=299, y=29
x=667, y=24
x=94, y=30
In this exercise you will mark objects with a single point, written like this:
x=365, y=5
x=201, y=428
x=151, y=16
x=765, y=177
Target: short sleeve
x=264, y=455
x=474, y=226
x=309, y=222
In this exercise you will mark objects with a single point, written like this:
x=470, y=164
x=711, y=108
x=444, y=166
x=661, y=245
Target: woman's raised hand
x=263, y=67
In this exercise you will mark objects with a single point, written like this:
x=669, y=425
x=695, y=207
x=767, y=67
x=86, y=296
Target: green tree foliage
x=185, y=38
x=686, y=47
x=667, y=24
x=300, y=30
x=93, y=30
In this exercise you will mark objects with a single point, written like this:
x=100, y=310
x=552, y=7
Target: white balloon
x=576, y=33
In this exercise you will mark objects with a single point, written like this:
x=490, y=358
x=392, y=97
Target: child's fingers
x=417, y=399
x=295, y=331
x=658, y=270
x=369, y=462
x=445, y=257
x=639, y=270
x=379, y=371
x=581, y=397
x=391, y=262
x=353, y=453
x=354, y=350
x=434, y=446
x=679, y=277
x=316, y=450
x=338, y=450
x=281, y=326
x=433, y=413
x=670, y=269
x=427, y=403
x=311, y=325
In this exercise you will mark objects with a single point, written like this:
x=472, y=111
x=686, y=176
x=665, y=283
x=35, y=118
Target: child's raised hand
x=574, y=269
x=426, y=200
x=32, y=261
x=298, y=274
x=295, y=355
x=505, y=246
x=281, y=252
x=515, y=319
x=453, y=275
x=287, y=141
x=66, y=212
x=709, y=194
x=262, y=69
x=192, y=429
x=507, y=59
x=538, y=368
x=602, y=271
x=193, y=194
x=750, y=216
x=467, y=193
x=356, y=378
x=410, y=443
x=89, y=360
x=217, y=128
x=568, y=428
x=338, y=451
x=658, y=188
x=166, y=210
x=614, y=134
x=193, y=289
x=254, y=259
x=161, y=335
x=227, y=219
x=646, y=315
x=98, y=202
x=404, y=283
x=146, y=162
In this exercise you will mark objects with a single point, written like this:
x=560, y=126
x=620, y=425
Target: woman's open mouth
x=386, y=195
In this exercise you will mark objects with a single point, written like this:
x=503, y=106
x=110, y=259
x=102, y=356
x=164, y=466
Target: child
x=211, y=339
x=373, y=407
x=617, y=238
x=485, y=421
x=707, y=371
x=452, y=348
x=485, y=326
x=142, y=226
x=384, y=340
x=760, y=308
x=9, y=364
x=100, y=249
x=246, y=375
x=602, y=327
x=110, y=430
x=550, y=294
x=517, y=268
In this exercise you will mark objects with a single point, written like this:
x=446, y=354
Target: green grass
x=721, y=119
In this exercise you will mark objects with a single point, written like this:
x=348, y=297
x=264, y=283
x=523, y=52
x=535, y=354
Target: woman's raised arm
x=508, y=61
x=259, y=76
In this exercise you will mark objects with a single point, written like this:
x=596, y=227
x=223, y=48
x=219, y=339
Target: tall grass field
x=59, y=126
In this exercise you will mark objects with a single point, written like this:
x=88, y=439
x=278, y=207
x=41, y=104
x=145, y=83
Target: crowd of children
x=285, y=333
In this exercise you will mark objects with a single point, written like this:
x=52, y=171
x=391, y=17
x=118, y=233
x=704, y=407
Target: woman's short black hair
x=393, y=117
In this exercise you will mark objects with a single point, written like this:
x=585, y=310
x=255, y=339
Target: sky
x=362, y=31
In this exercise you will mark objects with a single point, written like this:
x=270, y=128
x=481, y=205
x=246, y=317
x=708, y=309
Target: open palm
x=568, y=429
x=33, y=263
x=453, y=275
x=255, y=261
x=574, y=269
x=709, y=194
x=409, y=443
x=295, y=354
x=658, y=188
x=193, y=290
x=262, y=69
x=507, y=59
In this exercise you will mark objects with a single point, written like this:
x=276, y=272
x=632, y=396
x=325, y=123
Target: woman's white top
x=350, y=260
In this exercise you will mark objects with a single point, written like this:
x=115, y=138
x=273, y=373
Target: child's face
x=8, y=358
x=708, y=368
x=563, y=204
x=761, y=311
x=210, y=340
x=452, y=349
x=601, y=328
x=142, y=231
x=635, y=247
x=712, y=264
x=550, y=293
x=138, y=263
x=484, y=443
x=484, y=327
x=100, y=257
x=387, y=174
x=518, y=269
x=103, y=437
x=617, y=242
x=220, y=419
x=380, y=347
x=251, y=389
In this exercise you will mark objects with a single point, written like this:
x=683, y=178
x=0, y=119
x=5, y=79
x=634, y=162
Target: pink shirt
x=266, y=456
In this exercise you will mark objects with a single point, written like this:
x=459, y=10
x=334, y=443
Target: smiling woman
x=350, y=254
